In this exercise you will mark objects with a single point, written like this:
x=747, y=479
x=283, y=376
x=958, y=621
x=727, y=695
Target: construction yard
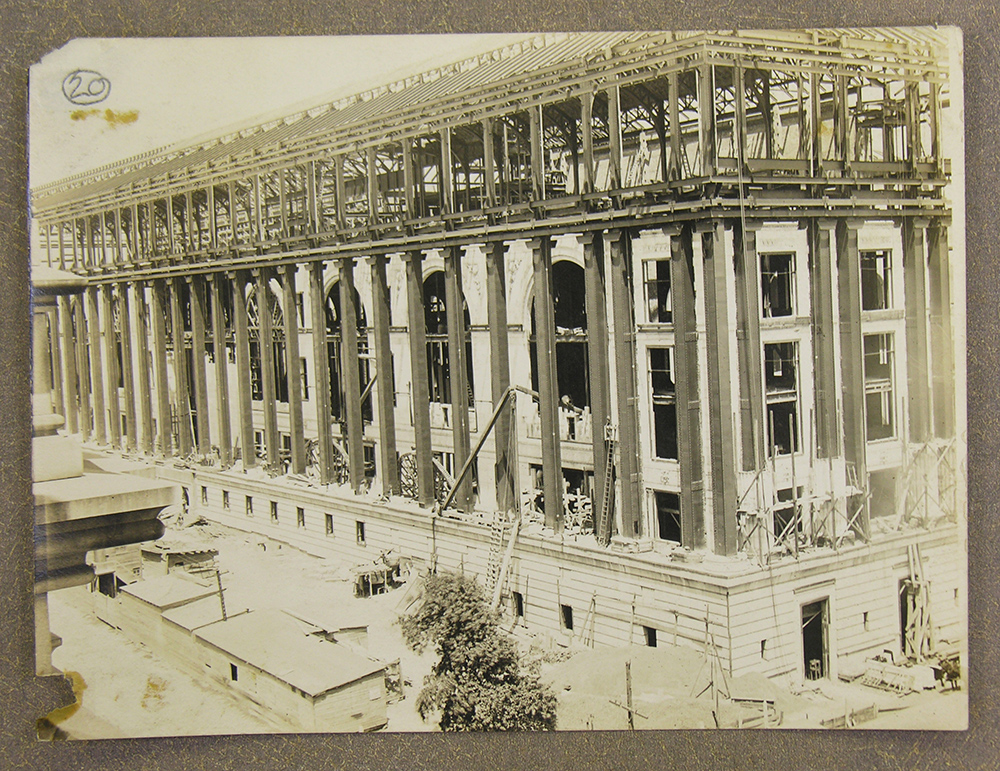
x=130, y=691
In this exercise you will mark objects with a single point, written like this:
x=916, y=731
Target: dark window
x=663, y=394
x=304, y=377
x=234, y=672
x=784, y=513
x=204, y=494
x=781, y=385
x=656, y=276
x=777, y=280
x=650, y=633
x=668, y=516
x=225, y=500
x=300, y=516
x=359, y=528
x=274, y=511
x=107, y=585
x=249, y=506
x=567, y=617
x=876, y=280
x=328, y=521
x=879, y=411
x=518, y=604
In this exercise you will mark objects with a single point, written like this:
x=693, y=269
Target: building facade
x=653, y=331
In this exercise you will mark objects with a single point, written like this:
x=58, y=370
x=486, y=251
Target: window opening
x=781, y=386
x=878, y=366
x=777, y=280
x=668, y=516
x=876, y=280
x=659, y=303
x=664, y=396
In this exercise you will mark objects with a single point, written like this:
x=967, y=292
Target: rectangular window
x=304, y=376
x=784, y=513
x=234, y=672
x=258, y=443
x=225, y=500
x=300, y=516
x=878, y=367
x=300, y=304
x=274, y=511
x=664, y=398
x=359, y=530
x=668, y=516
x=328, y=523
x=650, y=634
x=876, y=280
x=781, y=387
x=204, y=494
x=249, y=506
x=567, y=617
x=518, y=604
x=777, y=284
x=656, y=279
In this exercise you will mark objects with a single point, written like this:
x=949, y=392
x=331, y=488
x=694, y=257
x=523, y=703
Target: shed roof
x=276, y=643
x=168, y=591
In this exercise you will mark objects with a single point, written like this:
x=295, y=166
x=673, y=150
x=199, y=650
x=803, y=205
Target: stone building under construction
x=654, y=332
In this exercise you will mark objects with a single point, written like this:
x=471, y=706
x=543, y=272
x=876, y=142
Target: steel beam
x=721, y=407
x=196, y=293
x=128, y=369
x=182, y=381
x=458, y=367
x=266, y=341
x=144, y=393
x=548, y=384
x=599, y=368
x=388, y=468
x=351, y=375
x=293, y=370
x=822, y=322
x=241, y=337
x=419, y=393
x=96, y=365
x=496, y=310
x=688, y=389
x=623, y=339
x=158, y=315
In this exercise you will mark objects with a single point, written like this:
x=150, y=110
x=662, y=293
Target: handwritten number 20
x=86, y=87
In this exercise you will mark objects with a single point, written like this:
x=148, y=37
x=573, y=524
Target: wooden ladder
x=604, y=521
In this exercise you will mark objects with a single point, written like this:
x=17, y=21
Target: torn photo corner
x=500, y=382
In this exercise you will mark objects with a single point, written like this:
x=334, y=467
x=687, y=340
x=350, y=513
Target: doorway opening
x=815, y=648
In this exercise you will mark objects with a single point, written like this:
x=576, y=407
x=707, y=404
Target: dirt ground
x=130, y=691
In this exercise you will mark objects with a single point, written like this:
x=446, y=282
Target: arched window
x=436, y=322
x=338, y=401
x=570, y=311
x=278, y=346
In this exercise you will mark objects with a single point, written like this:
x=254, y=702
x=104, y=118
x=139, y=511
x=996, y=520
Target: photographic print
x=584, y=381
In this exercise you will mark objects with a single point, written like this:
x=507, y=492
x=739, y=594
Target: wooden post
x=548, y=384
x=293, y=370
x=321, y=372
x=221, y=371
x=419, y=394
x=459, y=381
x=351, y=374
x=385, y=385
x=628, y=694
x=241, y=335
x=496, y=310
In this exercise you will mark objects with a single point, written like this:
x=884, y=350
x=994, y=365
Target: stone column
x=419, y=392
x=388, y=465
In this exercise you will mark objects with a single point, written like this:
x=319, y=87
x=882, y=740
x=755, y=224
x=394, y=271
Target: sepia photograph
x=591, y=381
